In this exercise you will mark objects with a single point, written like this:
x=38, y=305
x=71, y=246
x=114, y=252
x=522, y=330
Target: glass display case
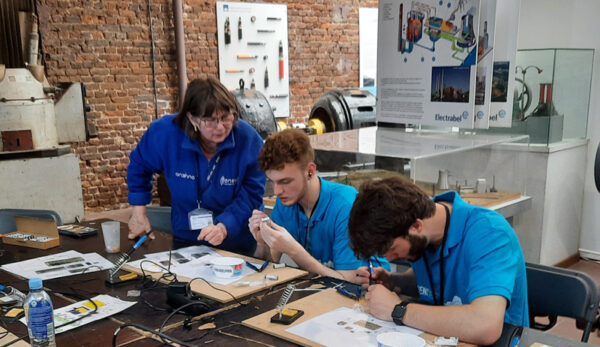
x=487, y=170
x=552, y=94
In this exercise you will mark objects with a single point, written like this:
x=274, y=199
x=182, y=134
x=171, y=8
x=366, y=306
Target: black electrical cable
x=215, y=288
x=114, y=340
x=153, y=61
x=180, y=309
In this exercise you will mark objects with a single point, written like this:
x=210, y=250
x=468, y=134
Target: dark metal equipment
x=256, y=110
x=343, y=109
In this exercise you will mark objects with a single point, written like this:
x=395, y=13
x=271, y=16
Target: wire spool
x=343, y=109
x=256, y=110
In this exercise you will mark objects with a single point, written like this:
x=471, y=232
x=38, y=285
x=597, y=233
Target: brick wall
x=106, y=45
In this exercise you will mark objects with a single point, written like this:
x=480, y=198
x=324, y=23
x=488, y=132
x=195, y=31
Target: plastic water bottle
x=39, y=315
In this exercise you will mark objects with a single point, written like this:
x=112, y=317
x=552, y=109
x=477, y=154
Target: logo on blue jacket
x=228, y=181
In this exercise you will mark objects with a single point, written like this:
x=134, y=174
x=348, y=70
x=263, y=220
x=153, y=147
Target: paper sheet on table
x=107, y=306
x=58, y=265
x=346, y=327
x=190, y=262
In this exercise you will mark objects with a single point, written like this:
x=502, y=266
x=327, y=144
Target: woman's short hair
x=285, y=147
x=203, y=97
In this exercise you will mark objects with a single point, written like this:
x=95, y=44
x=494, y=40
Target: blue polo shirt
x=325, y=235
x=482, y=257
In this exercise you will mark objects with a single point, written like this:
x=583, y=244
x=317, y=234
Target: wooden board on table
x=5, y=339
x=489, y=199
x=313, y=305
x=202, y=288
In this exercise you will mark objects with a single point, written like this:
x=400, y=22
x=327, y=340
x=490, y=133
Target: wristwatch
x=399, y=311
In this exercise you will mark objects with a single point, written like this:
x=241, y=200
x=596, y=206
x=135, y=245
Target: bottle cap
x=35, y=283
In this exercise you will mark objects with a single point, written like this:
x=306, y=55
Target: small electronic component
x=271, y=277
x=278, y=265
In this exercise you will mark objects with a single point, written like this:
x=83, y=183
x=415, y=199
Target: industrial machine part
x=256, y=110
x=35, y=115
x=342, y=109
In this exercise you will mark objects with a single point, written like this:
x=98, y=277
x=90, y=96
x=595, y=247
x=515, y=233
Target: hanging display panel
x=253, y=48
x=426, y=62
x=485, y=63
x=503, y=80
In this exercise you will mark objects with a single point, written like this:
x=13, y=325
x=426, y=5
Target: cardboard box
x=34, y=233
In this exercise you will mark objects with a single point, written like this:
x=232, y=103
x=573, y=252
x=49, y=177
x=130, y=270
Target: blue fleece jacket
x=235, y=187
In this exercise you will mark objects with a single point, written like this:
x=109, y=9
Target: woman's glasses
x=212, y=122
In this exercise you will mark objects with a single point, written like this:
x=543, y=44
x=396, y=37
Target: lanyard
x=202, y=188
x=306, y=244
x=435, y=301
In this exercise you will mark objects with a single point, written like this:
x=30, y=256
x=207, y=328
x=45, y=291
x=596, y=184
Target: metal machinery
x=36, y=120
x=256, y=110
x=342, y=109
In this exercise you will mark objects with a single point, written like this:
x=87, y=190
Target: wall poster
x=485, y=63
x=426, y=62
x=253, y=47
x=367, y=28
x=505, y=53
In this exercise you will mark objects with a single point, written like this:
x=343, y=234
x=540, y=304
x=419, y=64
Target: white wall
x=572, y=24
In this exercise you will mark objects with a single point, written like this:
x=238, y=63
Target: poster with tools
x=426, y=62
x=485, y=63
x=505, y=53
x=253, y=48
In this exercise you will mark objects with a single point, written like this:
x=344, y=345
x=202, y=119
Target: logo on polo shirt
x=228, y=181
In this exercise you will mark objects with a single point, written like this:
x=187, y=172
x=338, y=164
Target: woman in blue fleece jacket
x=209, y=158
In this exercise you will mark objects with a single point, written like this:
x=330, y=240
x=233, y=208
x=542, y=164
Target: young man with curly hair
x=469, y=267
x=309, y=222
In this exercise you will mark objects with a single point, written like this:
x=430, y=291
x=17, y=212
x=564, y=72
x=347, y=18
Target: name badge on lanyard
x=200, y=218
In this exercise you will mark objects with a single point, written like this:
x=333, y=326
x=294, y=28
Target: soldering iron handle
x=137, y=244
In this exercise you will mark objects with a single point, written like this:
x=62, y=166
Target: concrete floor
x=565, y=327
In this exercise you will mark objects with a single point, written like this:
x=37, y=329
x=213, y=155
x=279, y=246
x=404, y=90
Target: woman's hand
x=213, y=234
x=138, y=223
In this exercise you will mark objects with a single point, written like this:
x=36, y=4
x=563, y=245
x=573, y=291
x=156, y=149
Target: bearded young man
x=469, y=267
x=309, y=222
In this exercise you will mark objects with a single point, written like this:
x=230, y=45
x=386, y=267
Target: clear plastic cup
x=112, y=236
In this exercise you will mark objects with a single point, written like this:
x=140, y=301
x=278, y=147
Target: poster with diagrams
x=426, y=62
x=505, y=53
x=253, y=48
x=485, y=63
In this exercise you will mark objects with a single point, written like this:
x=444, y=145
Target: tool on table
x=233, y=70
x=253, y=267
x=273, y=18
x=264, y=31
x=280, y=60
x=286, y=315
x=278, y=96
x=239, y=28
x=254, y=43
x=126, y=256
